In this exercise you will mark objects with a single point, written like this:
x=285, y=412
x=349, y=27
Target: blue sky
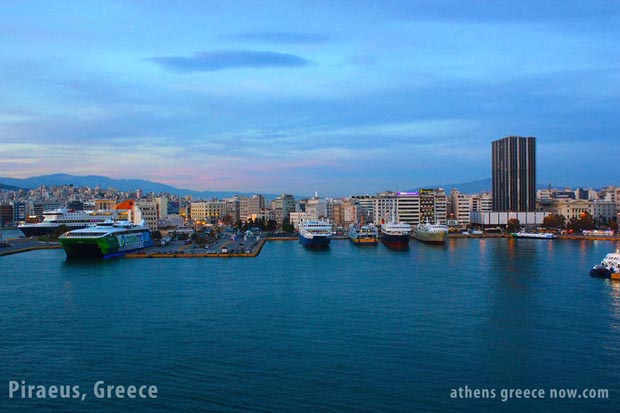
x=338, y=97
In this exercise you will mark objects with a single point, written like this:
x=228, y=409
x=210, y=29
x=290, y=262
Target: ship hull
x=364, y=241
x=430, y=237
x=602, y=272
x=533, y=236
x=30, y=231
x=396, y=242
x=314, y=242
x=36, y=231
x=105, y=247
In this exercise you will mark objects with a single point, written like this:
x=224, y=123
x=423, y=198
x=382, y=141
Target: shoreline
x=258, y=248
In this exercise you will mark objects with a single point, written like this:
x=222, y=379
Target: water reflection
x=614, y=292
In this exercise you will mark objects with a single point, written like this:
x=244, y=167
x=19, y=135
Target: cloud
x=229, y=59
x=276, y=37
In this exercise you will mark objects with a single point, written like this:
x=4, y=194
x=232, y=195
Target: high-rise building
x=366, y=207
x=162, y=207
x=147, y=211
x=232, y=209
x=385, y=208
x=460, y=207
x=250, y=205
x=514, y=174
x=283, y=206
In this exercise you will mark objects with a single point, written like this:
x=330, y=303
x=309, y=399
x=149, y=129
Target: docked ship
x=52, y=220
x=609, y=267
x=542, y=235
x=432, y=233
x=315, y=234
x=106, y=240
x=396, y=235
x=363, y=235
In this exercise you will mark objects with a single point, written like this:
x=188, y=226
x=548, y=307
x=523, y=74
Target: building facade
x=249, y=205
x=209, y=212
x=283, y=206
x=147, y=211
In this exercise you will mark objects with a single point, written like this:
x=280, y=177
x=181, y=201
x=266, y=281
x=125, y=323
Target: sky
x=338, y=97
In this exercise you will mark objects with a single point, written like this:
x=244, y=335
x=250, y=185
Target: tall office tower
x=514, y=174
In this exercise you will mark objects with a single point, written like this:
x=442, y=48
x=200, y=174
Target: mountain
x=119, y=184
x=474, y=187
x=9, y=187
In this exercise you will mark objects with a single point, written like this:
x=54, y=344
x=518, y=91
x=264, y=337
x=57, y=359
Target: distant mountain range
x=9, y=187
x=119, y=184
x=474, y=187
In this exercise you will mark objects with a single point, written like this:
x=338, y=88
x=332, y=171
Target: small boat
x=609, y=267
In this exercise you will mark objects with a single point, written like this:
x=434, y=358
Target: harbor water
x=349, y=328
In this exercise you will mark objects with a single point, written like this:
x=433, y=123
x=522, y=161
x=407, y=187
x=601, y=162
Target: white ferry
x=609, y=267
x=52, y=220
x=106, y=240
x=315, y=234
x=433, y=233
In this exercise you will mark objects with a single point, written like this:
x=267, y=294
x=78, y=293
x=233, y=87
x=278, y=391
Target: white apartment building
x=460, y=207
x=146, y=210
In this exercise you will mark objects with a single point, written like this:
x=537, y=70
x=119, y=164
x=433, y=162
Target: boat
x=396, y=235
x=315, y=234
x=432, y=233
x=54, y=219
x=363, y=235
x=609, y=267
x=541, y=235
x=106, y=240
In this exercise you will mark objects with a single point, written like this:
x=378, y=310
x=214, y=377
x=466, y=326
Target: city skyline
x=336, y=98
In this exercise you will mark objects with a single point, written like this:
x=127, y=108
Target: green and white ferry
x=106, y=240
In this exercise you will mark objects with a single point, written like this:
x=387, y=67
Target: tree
x=513, y=225
x=287, y=227
x=199, y=239
x=249, y=223
x=584, y=222
x=228, y=220
x=262, y=224
x=554, y=221
x=272, y=225
x=156, y=235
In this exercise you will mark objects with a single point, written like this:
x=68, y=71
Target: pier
x=154, y=252
x=19, y=245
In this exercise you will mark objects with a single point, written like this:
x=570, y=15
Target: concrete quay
x=223, y=248
x=18, y=245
